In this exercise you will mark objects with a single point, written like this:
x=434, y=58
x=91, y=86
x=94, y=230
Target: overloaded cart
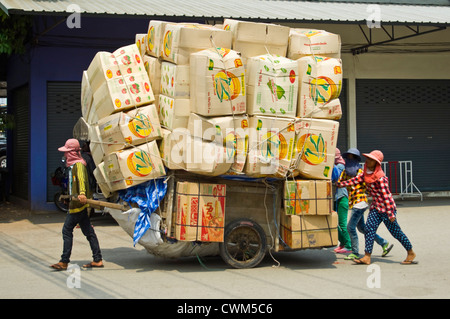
x=220, y=139
x=238, y=218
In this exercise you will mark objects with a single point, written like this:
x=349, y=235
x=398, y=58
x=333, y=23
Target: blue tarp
x=147, y=196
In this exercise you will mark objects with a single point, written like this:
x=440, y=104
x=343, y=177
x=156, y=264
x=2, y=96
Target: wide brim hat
x=72, y=144
x=354, y=152
x=375, y=155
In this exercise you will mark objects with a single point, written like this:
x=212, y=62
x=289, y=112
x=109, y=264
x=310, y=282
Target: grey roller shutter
x=408, y=120
x=63, y=111
x=21, y=140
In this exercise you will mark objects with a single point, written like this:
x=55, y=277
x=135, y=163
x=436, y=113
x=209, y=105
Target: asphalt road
x=30, y=242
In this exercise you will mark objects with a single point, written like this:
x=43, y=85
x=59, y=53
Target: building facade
x=395, y=97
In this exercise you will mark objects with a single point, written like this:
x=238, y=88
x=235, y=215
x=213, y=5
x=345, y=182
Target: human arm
x=82, y=181
x=350, y=182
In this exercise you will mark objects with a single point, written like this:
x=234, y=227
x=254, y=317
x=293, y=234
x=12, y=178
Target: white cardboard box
x=270, y=146
x=315, y=148
x=255, y=38
x=174, y=80
x=310, y=41
x=130, y=167
x=229, y=131
x=124, y=129
x=217, y=84
x=173, y=113
x=272, y=86
x=320, y=84
x=180, y=40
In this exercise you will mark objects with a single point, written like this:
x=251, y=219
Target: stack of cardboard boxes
x=242, y=98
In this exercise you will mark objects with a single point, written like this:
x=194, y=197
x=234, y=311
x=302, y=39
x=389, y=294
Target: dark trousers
x=82, y=219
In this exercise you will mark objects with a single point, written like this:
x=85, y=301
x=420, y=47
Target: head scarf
x=352, y=165
x=338, y=158
x=371, y=177
x=72, y=152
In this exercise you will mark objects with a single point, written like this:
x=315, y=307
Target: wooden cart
x=252, y=217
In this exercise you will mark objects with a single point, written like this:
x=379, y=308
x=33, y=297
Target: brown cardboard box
x=309, y=231
x=200, y=212
x=308, y=197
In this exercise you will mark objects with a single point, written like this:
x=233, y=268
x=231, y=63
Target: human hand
x=82, y=199
x=392, y=219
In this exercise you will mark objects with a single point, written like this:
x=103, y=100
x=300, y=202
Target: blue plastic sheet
x=147, y=196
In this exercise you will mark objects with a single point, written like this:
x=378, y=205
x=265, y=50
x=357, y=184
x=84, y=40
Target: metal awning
x=263, y=10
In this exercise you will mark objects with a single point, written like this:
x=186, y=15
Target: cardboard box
x=124, y=129
x=130, y=167
x=87, y=96
x=254, y=38
x=174, y=113
x=100, y=177
x=320, y=84
x=141, y=43
x=174, y=80
x=107, y=66
x=271, y=146
x=229, y=131
x=207, y=158
x=172, y=148
x=315, y=148
x=155, y=35
x=121, y=94
x=96, y=144
x=200, y=212
x=331, y=110
x=103, y=67
x=182, y=39
x=318, y=42
x=309, y=231
x=129, y=60
x=153, y=68
x=308, y=197
x=272, y=86
x=217, y=84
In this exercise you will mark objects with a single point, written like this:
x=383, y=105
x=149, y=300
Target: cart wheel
x=244, y=244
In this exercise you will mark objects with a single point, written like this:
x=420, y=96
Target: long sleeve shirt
x=357, y=192
x=78, y=185
x=382, y=199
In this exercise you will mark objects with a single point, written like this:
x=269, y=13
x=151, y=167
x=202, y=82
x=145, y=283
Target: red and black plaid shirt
x=382, y=199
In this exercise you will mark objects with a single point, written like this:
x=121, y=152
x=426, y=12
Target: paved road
x=29, y=243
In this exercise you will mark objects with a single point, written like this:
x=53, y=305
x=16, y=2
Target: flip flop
x=359, y=262
x=409, y=262
x=91, y=265
x=59, y=266
x=387, y=250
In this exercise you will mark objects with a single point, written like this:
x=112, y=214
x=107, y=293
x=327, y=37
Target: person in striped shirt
x=78, y=214
x=382, y=208
x=358, y=204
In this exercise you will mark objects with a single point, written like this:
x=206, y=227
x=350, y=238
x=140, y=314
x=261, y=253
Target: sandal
x=409, y=262
x=59, y=266
x=94, y=264
x=360, y=262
